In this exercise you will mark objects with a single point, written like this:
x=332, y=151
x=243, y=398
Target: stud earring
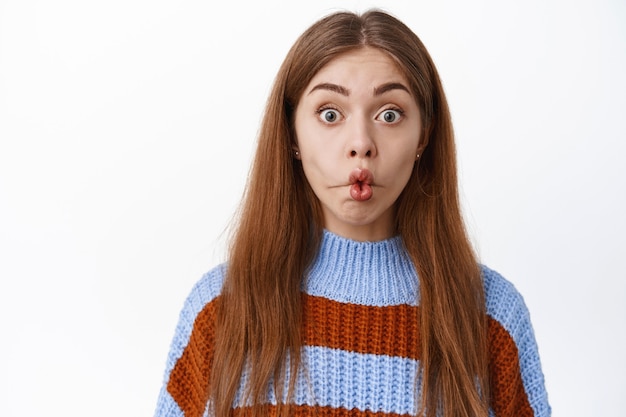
x=297, y=153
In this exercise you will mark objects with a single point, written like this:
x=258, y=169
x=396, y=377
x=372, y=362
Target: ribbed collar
x=367, y=273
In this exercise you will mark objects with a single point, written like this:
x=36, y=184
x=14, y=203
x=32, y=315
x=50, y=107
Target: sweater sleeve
x=178, y=379
x=516, y=377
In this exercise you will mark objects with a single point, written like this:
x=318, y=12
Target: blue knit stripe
x=341, y=379
x=506, y=305
x=166, y=406
x=203, y=292
x=365, y=273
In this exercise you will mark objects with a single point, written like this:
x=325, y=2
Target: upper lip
x=361, y=175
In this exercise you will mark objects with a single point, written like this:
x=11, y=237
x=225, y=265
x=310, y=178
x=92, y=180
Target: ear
x=423, y=142
x=420, y=151
x=296, y=152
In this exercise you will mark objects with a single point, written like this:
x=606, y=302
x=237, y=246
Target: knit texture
x=361, y=348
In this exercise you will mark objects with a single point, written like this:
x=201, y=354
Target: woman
x=351, y=287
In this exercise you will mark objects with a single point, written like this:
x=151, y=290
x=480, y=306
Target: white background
x=126, y=132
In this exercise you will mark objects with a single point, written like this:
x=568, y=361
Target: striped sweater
x=360, y=355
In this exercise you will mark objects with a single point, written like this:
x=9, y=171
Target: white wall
x=126, y=131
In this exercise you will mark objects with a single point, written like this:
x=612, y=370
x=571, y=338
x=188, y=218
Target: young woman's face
x=358, y=130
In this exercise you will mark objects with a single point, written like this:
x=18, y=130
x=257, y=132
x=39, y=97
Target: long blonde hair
x=260, y=312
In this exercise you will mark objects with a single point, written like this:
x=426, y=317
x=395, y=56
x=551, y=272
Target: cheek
x=404, y=172
x=318, y=149
x=318, y=168
x=401, y=167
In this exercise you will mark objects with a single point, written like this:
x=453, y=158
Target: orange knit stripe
x=508, y=396
x=189, y=380
x=350, y=327
x=316, y=411
x=391, y=330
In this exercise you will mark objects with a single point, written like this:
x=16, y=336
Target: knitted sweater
x=360, y=354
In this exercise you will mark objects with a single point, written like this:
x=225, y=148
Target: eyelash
x=323, y=108
x=396, y=109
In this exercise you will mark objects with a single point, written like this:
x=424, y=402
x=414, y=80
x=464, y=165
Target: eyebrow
x=389, y=87
x=331, y=87
x=345, y=92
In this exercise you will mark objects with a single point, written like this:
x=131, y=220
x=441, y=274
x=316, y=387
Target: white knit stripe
x=349, y=380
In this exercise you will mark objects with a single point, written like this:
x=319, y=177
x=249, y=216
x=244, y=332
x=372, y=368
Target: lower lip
x=361, y=191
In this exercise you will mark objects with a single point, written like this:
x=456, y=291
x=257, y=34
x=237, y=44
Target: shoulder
x=202, y=294
x=510, y=323
x=206, y=289
x=504, y=302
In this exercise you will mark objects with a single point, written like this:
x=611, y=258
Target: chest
x=357, y=356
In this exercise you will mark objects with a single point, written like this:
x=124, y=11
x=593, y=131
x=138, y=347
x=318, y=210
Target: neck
x=371, y=232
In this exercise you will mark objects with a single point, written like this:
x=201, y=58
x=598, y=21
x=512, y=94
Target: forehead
x=364, y=65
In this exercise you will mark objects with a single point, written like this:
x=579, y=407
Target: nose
x=360, y=142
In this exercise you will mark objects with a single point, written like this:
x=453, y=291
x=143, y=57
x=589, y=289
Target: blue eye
x=329, y=115
x=390, y=116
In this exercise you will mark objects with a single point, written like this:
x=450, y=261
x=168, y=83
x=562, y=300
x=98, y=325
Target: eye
x=390, y=116
x=329, y=115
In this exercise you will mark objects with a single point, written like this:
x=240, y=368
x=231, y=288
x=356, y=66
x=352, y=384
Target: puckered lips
x=361, y=180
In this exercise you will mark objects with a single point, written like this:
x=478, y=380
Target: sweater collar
x=367, y=273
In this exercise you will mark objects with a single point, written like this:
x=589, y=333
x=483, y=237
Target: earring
x=418, y=156
x=297, y=153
